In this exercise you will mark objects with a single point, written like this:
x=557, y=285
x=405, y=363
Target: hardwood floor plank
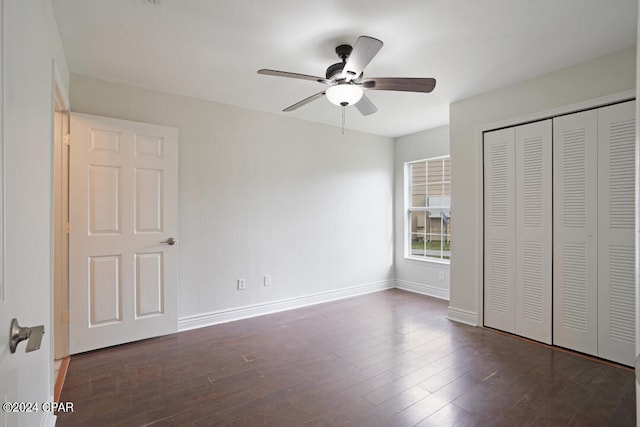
x=389, y=358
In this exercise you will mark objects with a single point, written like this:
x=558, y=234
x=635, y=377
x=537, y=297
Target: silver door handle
x=19, y=333
x=170, y=241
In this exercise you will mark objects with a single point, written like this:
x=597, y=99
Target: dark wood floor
x=390, y=358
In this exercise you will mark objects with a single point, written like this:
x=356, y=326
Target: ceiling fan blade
x=363, y=52
x=365, y=106
x=304, y=102
x=405, y=84
x=277, y=73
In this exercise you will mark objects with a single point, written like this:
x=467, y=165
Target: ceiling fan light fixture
x=344, y=94
x=346, y=82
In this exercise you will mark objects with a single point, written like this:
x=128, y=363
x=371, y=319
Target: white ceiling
x=212, y=49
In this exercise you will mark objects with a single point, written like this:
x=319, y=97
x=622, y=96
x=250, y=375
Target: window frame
x=408, y=210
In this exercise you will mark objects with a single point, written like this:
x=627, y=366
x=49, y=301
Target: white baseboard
x=222, y=316
x=423, y=289
x=462, y=316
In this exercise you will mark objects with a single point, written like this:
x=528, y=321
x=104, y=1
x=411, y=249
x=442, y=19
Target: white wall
x=417, y=276
x=265, y=194
x=599, y=77
x=31, y=41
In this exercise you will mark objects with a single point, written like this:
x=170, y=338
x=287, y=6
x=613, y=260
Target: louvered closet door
x=616, y=216
x=533, y=228
x=499, y=239
x=575, y=237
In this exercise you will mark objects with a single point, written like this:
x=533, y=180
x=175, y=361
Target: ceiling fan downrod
x=343, y=51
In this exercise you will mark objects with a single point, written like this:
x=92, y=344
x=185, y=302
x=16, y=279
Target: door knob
x=170, y=241
x=19, y=333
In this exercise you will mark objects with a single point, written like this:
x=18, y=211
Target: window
x=428, y=225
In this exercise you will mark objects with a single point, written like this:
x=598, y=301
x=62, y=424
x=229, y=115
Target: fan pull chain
x=343, y=108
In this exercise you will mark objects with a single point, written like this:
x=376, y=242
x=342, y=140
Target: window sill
x=428, y=260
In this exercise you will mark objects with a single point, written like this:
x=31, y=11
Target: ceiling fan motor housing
x=334, y=69
x=343, y=51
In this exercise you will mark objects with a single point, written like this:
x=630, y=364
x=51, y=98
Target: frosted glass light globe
x=344, y=94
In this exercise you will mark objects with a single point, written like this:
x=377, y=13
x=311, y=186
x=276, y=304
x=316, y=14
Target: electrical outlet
x=267, y=280
x=441, y=275
x=242, y=284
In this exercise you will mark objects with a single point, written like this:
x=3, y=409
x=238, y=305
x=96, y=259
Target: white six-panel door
x=123, y=208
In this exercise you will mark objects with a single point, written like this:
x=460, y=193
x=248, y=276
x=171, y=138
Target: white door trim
x=60, y=218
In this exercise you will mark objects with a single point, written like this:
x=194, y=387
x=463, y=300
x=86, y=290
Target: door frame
x=59, y=218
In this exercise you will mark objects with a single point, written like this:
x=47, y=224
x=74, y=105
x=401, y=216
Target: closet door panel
x=533, y=225
x=616, y=246
x=575, y=272
x=499, y=229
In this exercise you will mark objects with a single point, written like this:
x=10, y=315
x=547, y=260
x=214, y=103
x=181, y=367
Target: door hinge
x=65, y=316
x=66, y=228
x=66, y=139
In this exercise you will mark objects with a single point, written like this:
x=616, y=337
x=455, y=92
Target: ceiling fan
x=346, y=79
